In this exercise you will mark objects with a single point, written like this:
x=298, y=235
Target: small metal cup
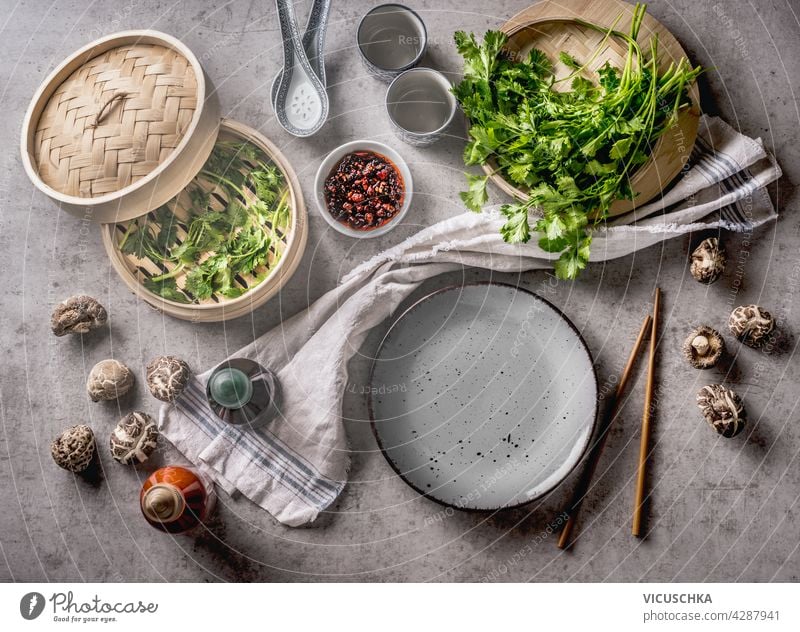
x=391, y=38
x=420, y=106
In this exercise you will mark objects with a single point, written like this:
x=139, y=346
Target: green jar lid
x=230, y=388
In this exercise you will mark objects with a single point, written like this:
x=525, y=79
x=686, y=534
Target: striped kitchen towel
x=297, y=466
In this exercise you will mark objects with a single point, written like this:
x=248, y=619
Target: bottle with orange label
x=177, y=499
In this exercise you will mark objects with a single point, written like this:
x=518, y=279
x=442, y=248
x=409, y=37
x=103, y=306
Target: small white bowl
x=333, y=158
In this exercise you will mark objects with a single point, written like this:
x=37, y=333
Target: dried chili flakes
x=364, y=191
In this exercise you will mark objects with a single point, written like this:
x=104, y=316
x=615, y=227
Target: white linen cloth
x=297, y=465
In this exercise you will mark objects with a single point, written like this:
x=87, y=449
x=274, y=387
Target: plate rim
x=584, y=448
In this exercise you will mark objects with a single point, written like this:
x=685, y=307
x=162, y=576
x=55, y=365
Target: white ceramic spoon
x=313, y=44
x=301, y=102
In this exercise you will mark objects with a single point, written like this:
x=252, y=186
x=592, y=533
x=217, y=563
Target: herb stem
x=128, y=232
x=171, y=274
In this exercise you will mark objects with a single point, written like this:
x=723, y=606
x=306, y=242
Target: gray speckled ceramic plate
x=483, y=396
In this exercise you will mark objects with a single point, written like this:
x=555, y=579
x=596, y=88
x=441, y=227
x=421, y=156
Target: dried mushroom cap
x=73, y=449
x=703, y=347
x=751, y=324
x=166, y=377
x=722, y=408
x=109, y=379
x=708, y=261
x=135, y=438
x=77, y=315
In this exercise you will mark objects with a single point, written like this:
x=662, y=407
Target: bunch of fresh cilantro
x=573, y=149
x=217, y=245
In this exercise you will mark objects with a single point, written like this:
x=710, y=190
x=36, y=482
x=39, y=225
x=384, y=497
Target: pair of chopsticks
x=650, y=324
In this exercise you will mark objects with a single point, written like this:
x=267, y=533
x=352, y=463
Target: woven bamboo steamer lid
x=550, y=26
x=121, y=126
x=132, y=270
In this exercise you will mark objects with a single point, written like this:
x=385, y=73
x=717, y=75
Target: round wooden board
x=128, y=267
x=551, y=27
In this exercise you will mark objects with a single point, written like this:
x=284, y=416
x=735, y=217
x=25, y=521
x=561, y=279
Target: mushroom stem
x=700, y=344
x=703, y=347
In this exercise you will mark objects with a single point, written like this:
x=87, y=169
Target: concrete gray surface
x=721, y=510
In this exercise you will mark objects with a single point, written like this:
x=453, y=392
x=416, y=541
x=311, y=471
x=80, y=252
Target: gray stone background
x=721, y=510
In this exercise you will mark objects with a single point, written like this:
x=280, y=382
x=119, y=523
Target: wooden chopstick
x=644, y=445
x=594, y=455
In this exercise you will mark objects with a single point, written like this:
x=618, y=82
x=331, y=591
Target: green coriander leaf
x=569, y=60
x=508, y=89
x=567, y=186
x=480, y=59
x=545, y=196
x=167, y=289
x=559, y=146
x=596, y=168
x=467, y=47
x=486, y=136
x=591, y=147
x=233, y=292
x=552, y=245
x=519, y=172
x=621, y=148
x=582, y=88
x=609, y=78
x=516, y=229
x=128, y=245
x=268, y=181
x=198, y=283
x=568, y=266
x=585, y=248
x=639, y=157
x=476, y=197
x=223, y=280
x=493, y=42
x=475, y=153
x=482, y=146
x=475, y=98
x=630, y=126
x=555, y=228
x=540, y=63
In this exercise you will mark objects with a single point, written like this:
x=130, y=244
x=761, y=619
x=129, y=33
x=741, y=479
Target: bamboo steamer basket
x=286, y=253
x=551, y=27
x=119, y=129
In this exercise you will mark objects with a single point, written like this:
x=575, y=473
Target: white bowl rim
x=340, y=152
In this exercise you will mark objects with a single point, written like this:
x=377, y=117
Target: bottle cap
x=163, y=503
x=230, y=388
x=242, y=392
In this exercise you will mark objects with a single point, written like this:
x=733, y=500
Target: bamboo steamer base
x=129, y=267
x=550, y=26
